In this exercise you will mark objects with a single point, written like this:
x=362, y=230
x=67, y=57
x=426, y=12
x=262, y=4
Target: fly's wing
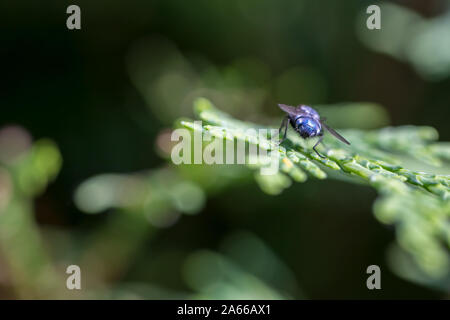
x=290, y=109
x=334, y=133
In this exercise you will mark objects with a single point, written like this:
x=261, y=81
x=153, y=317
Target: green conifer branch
x=416, y=202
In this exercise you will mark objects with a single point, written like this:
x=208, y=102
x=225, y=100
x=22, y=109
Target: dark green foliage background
x=75, y=88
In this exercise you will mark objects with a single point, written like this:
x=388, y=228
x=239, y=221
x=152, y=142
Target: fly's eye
x=307, y=127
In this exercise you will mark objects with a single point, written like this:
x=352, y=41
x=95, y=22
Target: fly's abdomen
x=307, y=127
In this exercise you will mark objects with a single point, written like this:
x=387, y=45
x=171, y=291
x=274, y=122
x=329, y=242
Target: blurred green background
x=84, y=127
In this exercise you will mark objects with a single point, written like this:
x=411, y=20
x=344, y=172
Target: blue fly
x=307, y=122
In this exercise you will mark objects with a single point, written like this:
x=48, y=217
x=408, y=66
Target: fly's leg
x=285, y=124
x=314, y=148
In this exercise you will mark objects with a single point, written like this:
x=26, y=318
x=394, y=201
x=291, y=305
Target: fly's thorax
x=310, y=112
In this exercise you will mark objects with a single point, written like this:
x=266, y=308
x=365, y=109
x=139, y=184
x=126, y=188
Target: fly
x=307, y=122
